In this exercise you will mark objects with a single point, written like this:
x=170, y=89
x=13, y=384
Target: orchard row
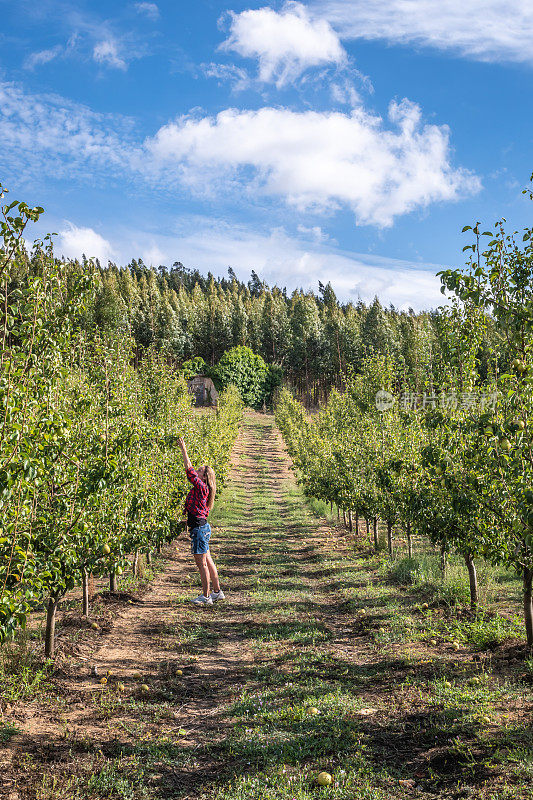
x=90, y=472
x=460, y=473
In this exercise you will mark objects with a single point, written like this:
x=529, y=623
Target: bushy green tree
x=242, y=368
x=194, y=366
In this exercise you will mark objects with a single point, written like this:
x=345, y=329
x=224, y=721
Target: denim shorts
x=200, y=539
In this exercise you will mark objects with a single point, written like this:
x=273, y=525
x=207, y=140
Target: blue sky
x=329, y=140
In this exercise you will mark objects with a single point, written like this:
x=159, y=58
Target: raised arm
x=186, y=460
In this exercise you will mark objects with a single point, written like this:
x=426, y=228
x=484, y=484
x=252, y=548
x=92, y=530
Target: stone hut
x=203, y=390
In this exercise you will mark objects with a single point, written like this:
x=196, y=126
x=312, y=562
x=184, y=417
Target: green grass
x=7, y=732
x=120, y=779
x=23, y=675
x=423, y=572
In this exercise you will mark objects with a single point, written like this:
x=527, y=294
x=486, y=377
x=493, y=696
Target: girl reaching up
x=198, y=504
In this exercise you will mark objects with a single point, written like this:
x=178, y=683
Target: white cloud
x=47, y=135
x=150, y=10
x=107, y=52
x=238, y=77
x=153, y=256
x=75, y=242
x=91, y=39
x=43, y=57
x=345, y=93
x=312, y=161
x=318, y=161
x=282, y=260
x=484, y=30
x=316, y=233
x=58, y=51
x=285, y=43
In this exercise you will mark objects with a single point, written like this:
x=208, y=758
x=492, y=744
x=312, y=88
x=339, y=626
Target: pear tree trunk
x=85, y=592
x=472, y=576
x=528, y=605
x=50, y=633
x=409, y=540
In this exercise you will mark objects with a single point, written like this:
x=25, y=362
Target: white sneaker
x=202, y=600
x=217, y=596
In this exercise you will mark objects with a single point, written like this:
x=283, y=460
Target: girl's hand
x=181, y=443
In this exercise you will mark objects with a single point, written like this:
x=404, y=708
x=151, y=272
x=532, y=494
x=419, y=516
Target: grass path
x=316, y=661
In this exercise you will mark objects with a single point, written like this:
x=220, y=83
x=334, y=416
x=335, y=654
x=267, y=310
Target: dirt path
x=305, y=667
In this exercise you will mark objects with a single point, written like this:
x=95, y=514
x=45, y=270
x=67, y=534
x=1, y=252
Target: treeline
x=90, y=474
x=454, y=461
x=314, y=338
